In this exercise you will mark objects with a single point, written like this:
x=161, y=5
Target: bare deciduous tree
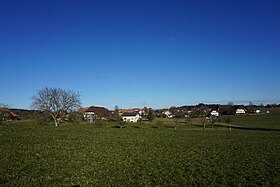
x=228, y=120
x=213, y=120
x=116, y=116
x=56, y=102
x=176, y=122
x=203, y=120
x=151, y=115
x=230, y=103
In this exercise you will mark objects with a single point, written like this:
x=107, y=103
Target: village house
x=240, y=111
x=188, y=114
x=214, y=113
x=168, y=114
x=7, y=115
x=141, y=111
x=144, y=111
x=133, y=117
x=258, y=111
x=94, y=112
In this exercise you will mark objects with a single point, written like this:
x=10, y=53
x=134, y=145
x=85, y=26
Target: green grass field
x=271, y=121
x=261, y=121
x=34, y=155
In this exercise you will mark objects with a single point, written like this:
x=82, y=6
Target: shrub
x=75, y=118
x=99, y=122
x=43, y=118
x=151, y=115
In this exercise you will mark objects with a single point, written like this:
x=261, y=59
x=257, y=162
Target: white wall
x=133, y=119
x=215, y=113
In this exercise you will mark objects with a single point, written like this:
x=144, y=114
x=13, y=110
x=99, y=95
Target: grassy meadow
x=271, y=121
x=259, y=121
x=147, y=155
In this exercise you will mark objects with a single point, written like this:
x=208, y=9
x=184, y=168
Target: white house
x=240, y=111
x=258, y=111
x=214, y=113
x=133, y=117
x=143, y=112
x=168, y=114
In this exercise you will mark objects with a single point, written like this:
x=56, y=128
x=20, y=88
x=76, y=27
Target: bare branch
x=56, y=102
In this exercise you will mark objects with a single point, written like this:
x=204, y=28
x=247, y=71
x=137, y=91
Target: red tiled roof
x=4, y=110
x=13, y=114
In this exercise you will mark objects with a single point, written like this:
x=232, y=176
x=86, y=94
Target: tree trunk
x=55, y=120
x=56, y=123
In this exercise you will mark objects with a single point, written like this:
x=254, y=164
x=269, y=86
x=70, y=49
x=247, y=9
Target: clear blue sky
x=141, y=53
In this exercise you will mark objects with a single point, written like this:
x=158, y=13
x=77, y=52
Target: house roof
x=241, y=109
x=214, y=111
x=82, y=110
x=145, y=109
x=13, y=114
x=4, y=110
x=167, y=111
x=101, y=111
x=7, y=111
x=130, y=114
